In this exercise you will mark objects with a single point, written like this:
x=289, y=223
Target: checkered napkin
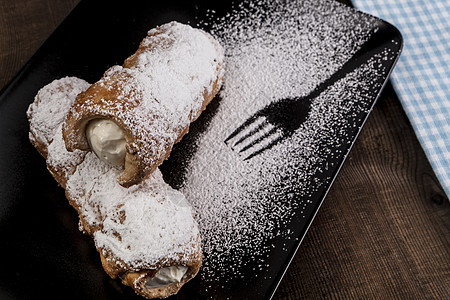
x=422, y=75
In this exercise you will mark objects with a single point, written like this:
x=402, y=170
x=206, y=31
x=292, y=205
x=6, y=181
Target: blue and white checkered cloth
x=422, y=75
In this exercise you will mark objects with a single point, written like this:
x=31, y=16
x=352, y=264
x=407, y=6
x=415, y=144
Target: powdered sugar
x=61, y=161
x=50, y=107
x=275, y=50
x=164, y=84
x=145, y=226
x=140, y=225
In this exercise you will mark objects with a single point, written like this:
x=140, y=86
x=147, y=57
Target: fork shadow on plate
x=280, y=119
x=269, y=126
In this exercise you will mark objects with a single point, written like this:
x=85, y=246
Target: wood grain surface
x=383, y=231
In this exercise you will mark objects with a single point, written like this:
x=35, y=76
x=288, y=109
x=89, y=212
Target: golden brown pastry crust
x=114, y=266
x=118, y=93
x=118, y=96
x=135, y=277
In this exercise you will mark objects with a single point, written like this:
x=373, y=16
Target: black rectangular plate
x=43, y=252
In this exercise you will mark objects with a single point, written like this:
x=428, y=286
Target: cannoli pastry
x=145, y=234
x=47, y=115
x=136, y=112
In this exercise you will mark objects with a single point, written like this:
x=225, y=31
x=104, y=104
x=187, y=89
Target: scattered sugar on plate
x=275, y=50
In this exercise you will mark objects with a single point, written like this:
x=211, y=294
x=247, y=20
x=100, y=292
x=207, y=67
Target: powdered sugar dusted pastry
x=49, y=109
x=145, y=234
x=152, y=99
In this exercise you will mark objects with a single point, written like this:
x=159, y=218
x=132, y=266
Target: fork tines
x=253, y=137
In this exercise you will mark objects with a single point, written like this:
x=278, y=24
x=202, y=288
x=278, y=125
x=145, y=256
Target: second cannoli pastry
x=145, y=234
x=135, y=113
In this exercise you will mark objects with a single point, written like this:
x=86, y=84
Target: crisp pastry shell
x=113, y=96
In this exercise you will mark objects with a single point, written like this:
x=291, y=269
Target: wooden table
x=383, y=230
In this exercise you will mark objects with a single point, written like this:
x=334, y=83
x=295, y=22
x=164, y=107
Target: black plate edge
x=16, y=78
x=24, y=68
x=319, y=205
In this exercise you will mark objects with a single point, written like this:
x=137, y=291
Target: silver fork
x=279, y=120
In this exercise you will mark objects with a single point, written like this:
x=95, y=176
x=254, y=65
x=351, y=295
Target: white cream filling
x=166, y=276
x=107, y=141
